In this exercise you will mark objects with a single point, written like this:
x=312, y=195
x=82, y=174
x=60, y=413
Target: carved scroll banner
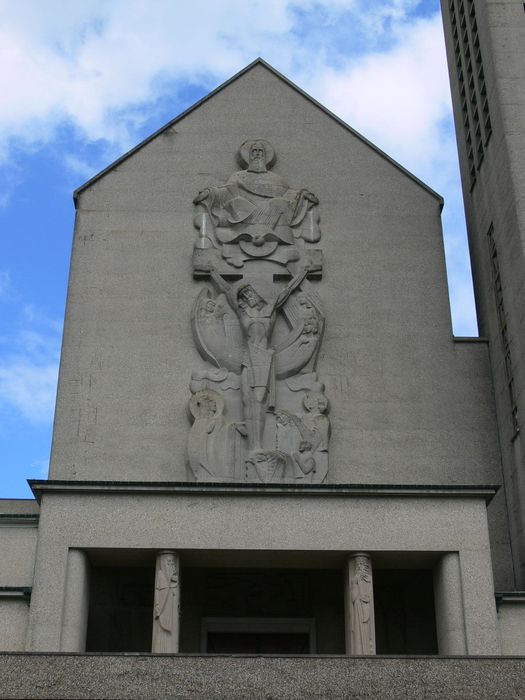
x=359, y=606
x=259, y=412
x=166, y=605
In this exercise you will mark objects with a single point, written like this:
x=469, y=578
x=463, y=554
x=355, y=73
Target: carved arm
x=221, y=284
x=293, y=284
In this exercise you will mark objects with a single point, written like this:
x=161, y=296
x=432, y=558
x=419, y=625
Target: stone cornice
x=19, y=519
x=178, y=488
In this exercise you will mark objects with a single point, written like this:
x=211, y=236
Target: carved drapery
x=259, y=412
x=359, y=606
x=166, y=605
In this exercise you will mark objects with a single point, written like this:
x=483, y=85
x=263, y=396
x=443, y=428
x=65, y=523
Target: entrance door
x=257, y=643
x=244, y=635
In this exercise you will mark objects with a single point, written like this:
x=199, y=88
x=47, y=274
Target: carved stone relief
x=260, y=414
x=360, y=605
x=166, y=606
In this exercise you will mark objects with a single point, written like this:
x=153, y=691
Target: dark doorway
x=259, y=643
x=120, y=609
x=277, y=611
x=404, y=612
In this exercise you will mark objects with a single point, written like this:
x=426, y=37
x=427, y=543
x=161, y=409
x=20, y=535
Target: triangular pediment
x=259, y=62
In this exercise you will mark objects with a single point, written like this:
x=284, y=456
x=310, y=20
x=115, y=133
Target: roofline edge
x=225, y=84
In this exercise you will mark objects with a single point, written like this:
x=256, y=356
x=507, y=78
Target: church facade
x=274, y=470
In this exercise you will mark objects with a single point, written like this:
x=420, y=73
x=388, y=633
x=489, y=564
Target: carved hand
x=310, y=196
x=203, y=194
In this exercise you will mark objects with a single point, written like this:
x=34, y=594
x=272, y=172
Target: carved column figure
x=359, y=606
x=165, y=638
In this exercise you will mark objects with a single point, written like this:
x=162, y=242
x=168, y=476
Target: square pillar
x=76, y=602
x=360, y=633
x=166, y=607
x=448, y=600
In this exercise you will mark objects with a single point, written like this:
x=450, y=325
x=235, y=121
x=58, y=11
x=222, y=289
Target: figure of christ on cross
x=257, y=310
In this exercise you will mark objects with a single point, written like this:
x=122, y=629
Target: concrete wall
x=320, y=527
x=18, y=538
x=14, y=616
x=408, y=406
x=497, y=199
x=239, y=678
x=511, y=622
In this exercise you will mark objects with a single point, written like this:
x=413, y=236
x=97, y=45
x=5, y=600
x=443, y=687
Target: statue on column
x=166, y=604
x=362, y=607
x=255, y=244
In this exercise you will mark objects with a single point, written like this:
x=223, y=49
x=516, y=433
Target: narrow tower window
x=471, y=78
x=502, y=322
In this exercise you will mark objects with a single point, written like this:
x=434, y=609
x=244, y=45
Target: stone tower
x=485, y=42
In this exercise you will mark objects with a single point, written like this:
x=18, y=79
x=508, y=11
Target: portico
x=247, y=528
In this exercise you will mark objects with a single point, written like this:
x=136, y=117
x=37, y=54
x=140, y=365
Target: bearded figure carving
x=255, y=244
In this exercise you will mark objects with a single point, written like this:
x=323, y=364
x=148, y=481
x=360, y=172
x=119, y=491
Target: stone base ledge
x=187, y=677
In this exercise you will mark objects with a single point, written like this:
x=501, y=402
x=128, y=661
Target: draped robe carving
x=255, y=245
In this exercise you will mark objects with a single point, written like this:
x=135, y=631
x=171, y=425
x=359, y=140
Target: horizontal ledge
x=19, y=519
x=19, y=592
x=509, y=597
x=132, y=656
x=40, y=487
x=469, y=339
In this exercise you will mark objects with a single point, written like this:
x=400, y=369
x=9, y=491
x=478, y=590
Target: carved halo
x=244, y=152
x=206, y=393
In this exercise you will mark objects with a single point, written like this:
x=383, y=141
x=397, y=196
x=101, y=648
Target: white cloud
x=80, y=167
x=398, y=98
x=99, y=66
x=30, y=388
x=89, y=63
x=29, y=371
x=84, y=62
x=375, y=17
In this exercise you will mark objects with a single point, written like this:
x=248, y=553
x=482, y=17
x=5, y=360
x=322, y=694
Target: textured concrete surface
x=17, y=552
x=266, y=526
x=407, y=404
x=496, y=199
x=511, y=622
x=260, y=678
x=14, y=614
x=18, y=537
x=18, y=506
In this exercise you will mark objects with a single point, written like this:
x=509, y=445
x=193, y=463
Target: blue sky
x=82, y=82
